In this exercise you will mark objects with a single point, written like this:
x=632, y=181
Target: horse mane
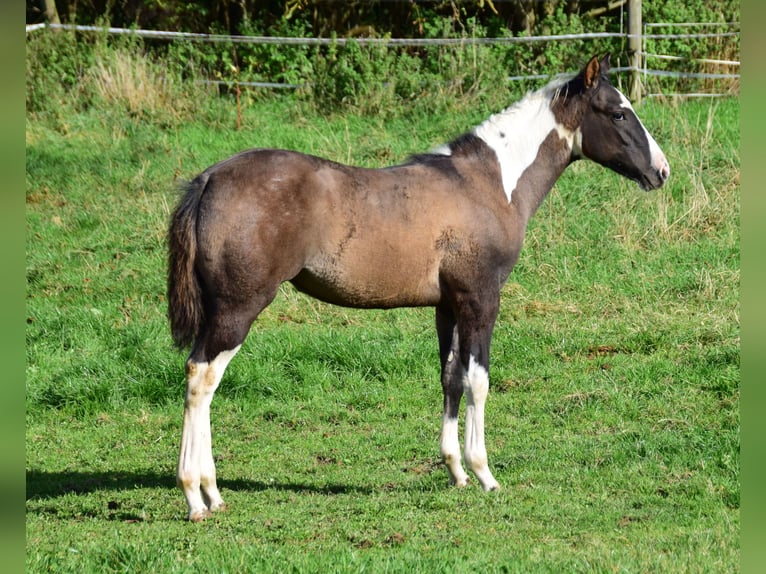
x=557, y=90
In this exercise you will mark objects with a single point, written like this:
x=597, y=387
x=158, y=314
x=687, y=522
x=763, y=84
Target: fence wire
x=467, y=41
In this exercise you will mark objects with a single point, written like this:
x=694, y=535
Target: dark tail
x=185, y=309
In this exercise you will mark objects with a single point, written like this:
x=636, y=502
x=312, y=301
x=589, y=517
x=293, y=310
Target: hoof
x=199, y=515
x=461, y=483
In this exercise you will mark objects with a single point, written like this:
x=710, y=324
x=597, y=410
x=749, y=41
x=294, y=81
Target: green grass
x=613, y=417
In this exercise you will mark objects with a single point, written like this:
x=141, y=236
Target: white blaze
x=659, y=161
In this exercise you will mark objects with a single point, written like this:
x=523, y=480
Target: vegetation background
x=351, y=74
x=613, y=421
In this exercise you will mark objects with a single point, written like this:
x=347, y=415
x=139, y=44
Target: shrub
x=65, y=69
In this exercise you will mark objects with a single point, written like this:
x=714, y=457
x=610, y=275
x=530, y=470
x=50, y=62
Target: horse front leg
x=475, y=326
x=196, y=468
x=476, y=387
x=452, y=387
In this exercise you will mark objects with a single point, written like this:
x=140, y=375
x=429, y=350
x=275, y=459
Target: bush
x=165, y=78
x=68, y=71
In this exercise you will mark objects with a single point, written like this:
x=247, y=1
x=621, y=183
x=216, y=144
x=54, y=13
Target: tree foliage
x=395, y=18
x=371, y=79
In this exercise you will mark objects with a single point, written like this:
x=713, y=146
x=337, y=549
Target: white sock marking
x=196, y=469
x=450, y=450
x=476, y=386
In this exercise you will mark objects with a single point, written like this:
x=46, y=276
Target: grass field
x=613, y=416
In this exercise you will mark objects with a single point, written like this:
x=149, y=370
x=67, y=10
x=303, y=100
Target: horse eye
x=618, y=116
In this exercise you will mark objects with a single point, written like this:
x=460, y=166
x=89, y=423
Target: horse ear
x=605, y=64
x=591, y=73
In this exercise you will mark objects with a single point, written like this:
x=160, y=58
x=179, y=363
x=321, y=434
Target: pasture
x=613, y=414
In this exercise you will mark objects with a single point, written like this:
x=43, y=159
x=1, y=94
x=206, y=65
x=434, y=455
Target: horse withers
x=444, y=229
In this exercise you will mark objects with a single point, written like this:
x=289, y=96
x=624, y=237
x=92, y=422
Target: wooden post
x=51, y=14
x=634, y=49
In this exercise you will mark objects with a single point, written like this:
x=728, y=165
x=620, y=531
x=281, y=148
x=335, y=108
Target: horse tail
x=185, y=309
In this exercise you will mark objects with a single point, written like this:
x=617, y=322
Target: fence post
x=634, y=50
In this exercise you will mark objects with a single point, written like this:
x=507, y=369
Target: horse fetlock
x=212, y=497
x=485, y=478
x=219, y=507
x=491, y=487
x=460, y=481
x=457, y=476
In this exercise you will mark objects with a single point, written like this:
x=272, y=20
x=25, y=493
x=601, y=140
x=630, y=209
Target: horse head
x=608, y=130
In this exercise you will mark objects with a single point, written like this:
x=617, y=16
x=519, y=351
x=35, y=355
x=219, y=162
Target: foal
x=442, y=230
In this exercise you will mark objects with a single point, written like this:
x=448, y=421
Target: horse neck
x=533, y=149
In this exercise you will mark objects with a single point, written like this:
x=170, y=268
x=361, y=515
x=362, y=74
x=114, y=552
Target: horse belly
x=378, y=276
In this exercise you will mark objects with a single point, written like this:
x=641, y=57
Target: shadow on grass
x=45, y=485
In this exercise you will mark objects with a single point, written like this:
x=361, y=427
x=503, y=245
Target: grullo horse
x=444, y=229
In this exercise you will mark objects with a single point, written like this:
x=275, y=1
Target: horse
x=443, y=229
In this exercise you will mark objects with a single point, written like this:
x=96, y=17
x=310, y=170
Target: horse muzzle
x=657, y=176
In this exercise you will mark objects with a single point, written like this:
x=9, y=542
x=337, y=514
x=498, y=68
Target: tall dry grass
x=131, y=81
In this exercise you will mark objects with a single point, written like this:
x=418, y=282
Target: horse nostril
x=663, y=168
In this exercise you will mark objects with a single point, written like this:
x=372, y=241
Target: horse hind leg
x=196, y=469
x=205, y=367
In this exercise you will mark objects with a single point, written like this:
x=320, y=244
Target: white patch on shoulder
x=517, y=133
